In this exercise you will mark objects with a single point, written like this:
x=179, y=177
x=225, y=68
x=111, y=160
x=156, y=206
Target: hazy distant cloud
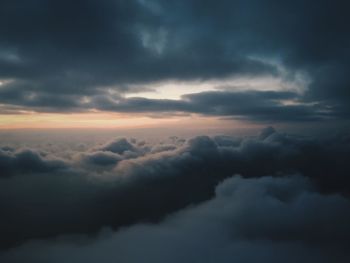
x=248, y=220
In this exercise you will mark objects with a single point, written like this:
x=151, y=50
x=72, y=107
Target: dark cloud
x=248, y=220
x=163, y=148
x=55, y=47
x=27, y=161
x=119, y=146
x=100, y=158
x=57, y=53
x=253, y=105
x=113, y=152
x=98, y=188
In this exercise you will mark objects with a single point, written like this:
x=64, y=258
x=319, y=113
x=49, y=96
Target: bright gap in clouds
x=296, y=82
x=174, y=90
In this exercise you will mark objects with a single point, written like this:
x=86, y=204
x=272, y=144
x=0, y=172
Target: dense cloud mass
x=290, y=202
x=58, y=56
x=27, y=161
x=249, y=220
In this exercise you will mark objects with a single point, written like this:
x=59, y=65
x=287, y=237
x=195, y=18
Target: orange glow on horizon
x=107, y=120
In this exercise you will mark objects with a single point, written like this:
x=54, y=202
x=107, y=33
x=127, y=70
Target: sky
x=97, y=63
x=174, y=131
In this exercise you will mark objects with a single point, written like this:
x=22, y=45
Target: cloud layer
x=58, y=56
x=248, y=220
x=46, y=194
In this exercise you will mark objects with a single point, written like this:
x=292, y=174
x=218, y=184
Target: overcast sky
x=257, y=61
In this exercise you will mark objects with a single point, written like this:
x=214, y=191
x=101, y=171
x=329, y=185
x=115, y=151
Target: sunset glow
x=107, y=120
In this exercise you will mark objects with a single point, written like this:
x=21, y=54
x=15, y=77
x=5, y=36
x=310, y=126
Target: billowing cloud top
x=275, y=196
x=58, y=56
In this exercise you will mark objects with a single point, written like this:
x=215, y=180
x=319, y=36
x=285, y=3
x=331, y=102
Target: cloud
x=27, y=161
x=91, y=189
x=251, y=105
x=86, y=47
x=271, y=152
x=100, y=158
x=163, y=148
x=248, y=220
x=109, y=154
x=119, y=146
x=55, y=55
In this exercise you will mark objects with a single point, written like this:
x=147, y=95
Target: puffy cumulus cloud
x=324, y=160
x=119, y=146
x=248, y=220
x=163, y=148
x=110, y=153
x=100, y=158
x=101, y=188
x=27, y=161
x=85, y=198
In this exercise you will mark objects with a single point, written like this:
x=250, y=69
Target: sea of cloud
x=273, y=197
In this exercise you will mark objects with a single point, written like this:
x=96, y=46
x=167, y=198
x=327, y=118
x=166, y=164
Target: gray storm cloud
x=56, y=55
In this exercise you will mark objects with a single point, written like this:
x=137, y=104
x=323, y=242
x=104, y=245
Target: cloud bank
x=46, y=196
x=248, y=220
